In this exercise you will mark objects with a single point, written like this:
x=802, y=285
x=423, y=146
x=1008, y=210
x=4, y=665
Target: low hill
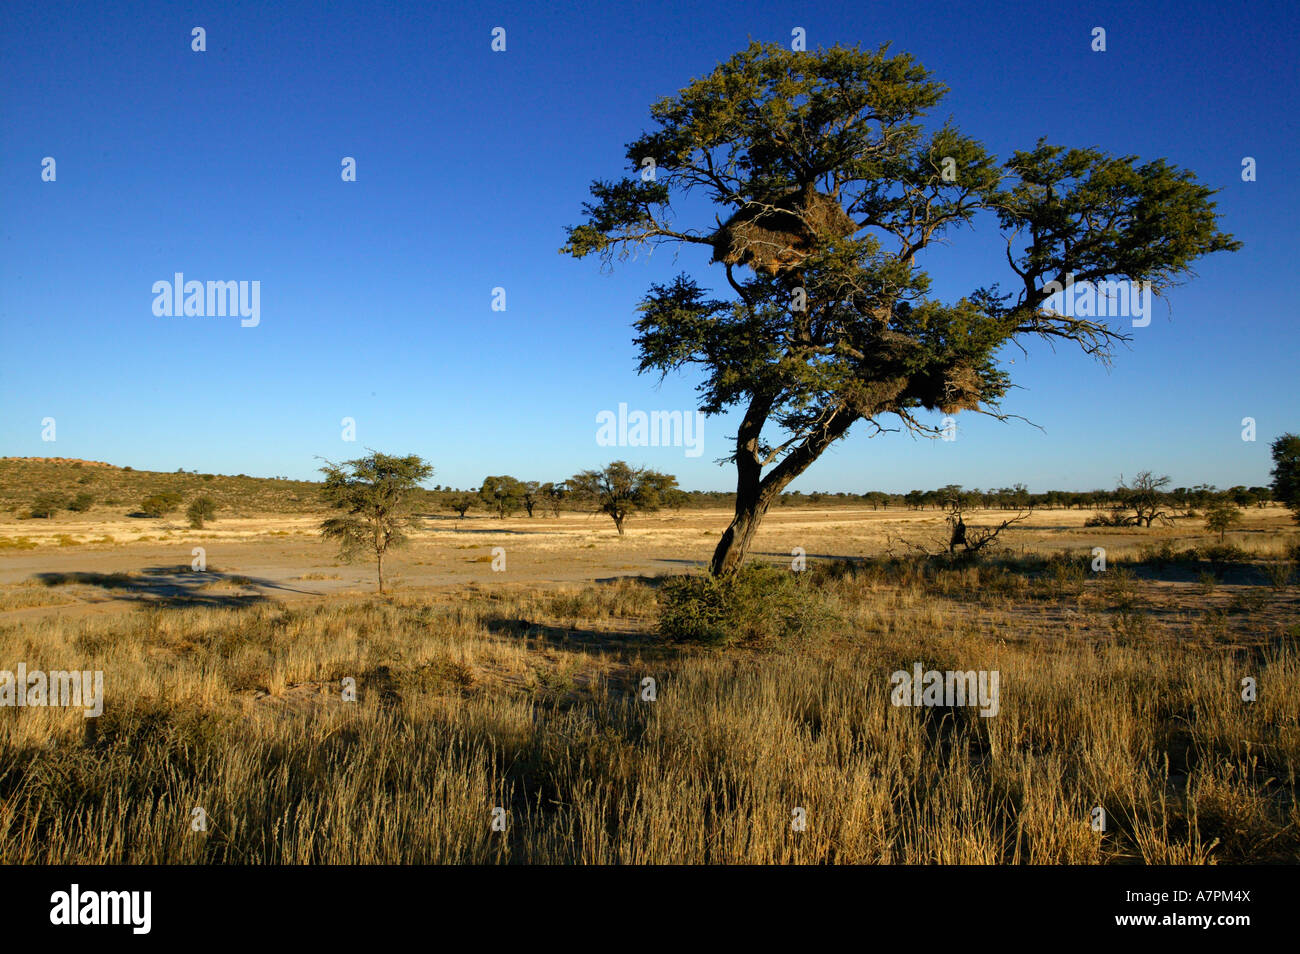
x=22, y=479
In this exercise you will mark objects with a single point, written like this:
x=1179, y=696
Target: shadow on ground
x=592, y=640
x=178, y=585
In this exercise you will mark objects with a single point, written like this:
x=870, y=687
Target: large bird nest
x=779, y=233
x=961, y=391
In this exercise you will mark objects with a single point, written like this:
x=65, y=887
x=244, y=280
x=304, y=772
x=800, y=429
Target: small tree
x=503, y=494
x=1286, y=473
x=201, y=509
x=82, y=502
x=376, y=491
x=620, y=490
x=461, y=504
x=1221, y=517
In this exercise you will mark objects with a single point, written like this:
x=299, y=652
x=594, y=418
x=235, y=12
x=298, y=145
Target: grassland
x=525, y=691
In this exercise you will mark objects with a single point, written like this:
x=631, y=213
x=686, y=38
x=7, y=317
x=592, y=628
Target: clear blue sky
x=376, y=295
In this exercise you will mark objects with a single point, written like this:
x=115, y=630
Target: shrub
x=46, y=505
x=199, y=510
x=1225, y=553
x=754, y=604
x=82, y=502
x=158, y=505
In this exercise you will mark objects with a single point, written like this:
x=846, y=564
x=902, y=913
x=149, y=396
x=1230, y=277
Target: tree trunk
x=755, y=493
x=381, y=573
x=751, y=505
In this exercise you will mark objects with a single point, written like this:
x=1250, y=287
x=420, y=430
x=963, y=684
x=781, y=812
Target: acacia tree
x=620, y=489
x=552, y=495
x=461, y=503
x=1286, y=472
x=503, y=494
x=1145, y=496
x=530, y=494
x=827, y=191
x=377, y=492
x=1221, y=518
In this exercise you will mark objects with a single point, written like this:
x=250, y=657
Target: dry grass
x=530, y=701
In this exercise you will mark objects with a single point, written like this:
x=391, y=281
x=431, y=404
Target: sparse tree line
x=504, y=496
x=379, y=494
x=1137, y=494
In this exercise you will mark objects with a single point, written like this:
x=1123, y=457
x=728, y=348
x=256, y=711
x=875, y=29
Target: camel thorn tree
x=828, y=192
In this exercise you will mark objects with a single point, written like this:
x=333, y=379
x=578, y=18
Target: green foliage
x=461, y=503
x=504, y=495
x=621, y=489
x=755, y=604
x=46, y=505
x=1222, y=553
x=1222, y=517
x=825, y=189
x=1286, y=472
x=201, y=509
x=81, y=502
x=159, y=505
x=377, y=493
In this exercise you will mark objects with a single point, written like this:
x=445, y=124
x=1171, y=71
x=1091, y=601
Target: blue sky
x=376, y=294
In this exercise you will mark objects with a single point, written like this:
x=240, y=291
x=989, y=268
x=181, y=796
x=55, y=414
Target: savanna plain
x=523, y=693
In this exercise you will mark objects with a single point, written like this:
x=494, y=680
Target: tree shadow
x=612, y=642
x=174, y=586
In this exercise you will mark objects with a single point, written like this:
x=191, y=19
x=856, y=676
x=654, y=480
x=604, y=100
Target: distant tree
x=201, y=509
x=530, y=494
x=46, y=505
x=1286, y=473
x=1241, y=496
x=503, y=494
x=1221, y=517
x=159, y=505
x=377, y=491
x=552, y=495
x=1144, y=497
x=81, y=502
x=620, y=489
x=461, y=504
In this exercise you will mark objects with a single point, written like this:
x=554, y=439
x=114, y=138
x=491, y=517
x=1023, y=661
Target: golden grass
x=530, y=701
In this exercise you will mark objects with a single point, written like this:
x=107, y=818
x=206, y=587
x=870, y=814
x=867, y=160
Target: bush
x=199, y=510
x=46, y=505
x=756, y=603
x=81, y=503
x=158, y=505
x=1225, y=553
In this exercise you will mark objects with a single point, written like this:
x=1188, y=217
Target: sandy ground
x=283, y=558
